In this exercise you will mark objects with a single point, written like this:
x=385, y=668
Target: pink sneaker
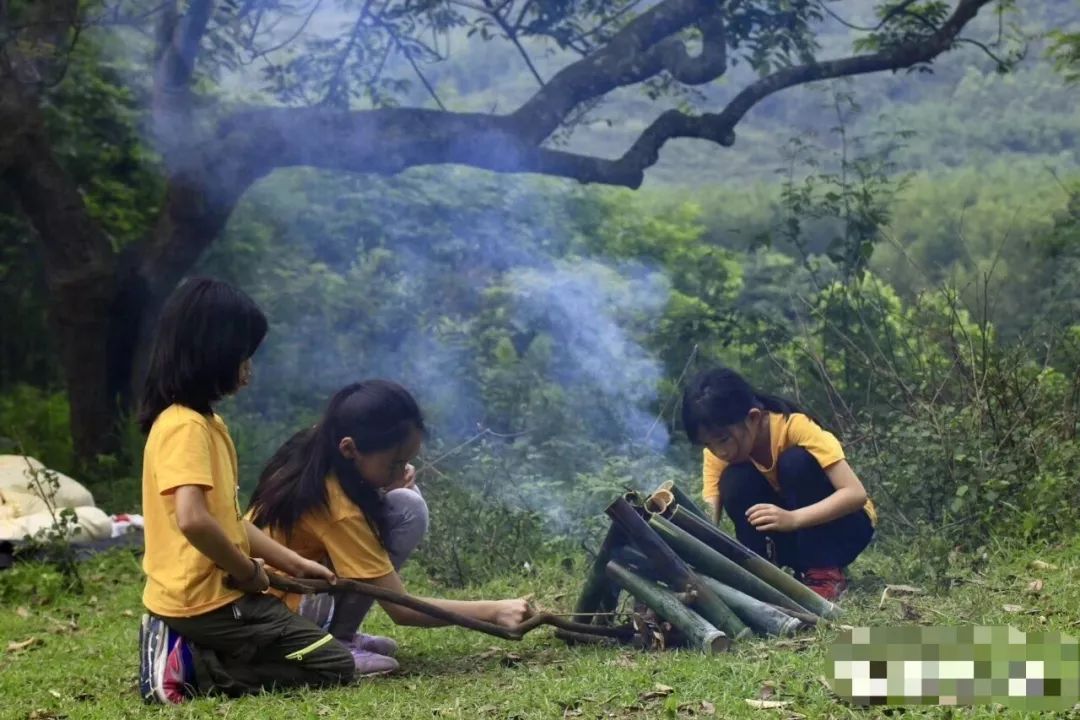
x=369, y=664
x=828, y=582
x=375, y=643
x=166, y=670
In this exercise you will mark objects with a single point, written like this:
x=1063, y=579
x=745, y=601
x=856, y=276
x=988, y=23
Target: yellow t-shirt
x=187, y=448
x=785, y=431
x=339, y=533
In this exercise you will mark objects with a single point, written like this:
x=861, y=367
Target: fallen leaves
x=22, y=645
x=703, y=707
x=1035, y=587
x=1041, y=565
x=1012, y=608
x=658, y=691
x=22, y=613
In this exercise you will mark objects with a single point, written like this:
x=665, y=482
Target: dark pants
x=802, y=482
x=257, y=643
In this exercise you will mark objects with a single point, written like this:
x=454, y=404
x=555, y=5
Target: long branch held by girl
x=209, y=628
x=343, y=493
x=782, y=479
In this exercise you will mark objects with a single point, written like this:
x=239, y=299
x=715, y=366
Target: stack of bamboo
x=706, y=588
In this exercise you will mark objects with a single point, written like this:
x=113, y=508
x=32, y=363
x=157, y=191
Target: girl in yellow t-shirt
x=208, y=627
x=343, y=493
x=782, y=479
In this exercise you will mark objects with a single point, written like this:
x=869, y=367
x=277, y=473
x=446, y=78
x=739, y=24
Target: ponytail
x=377, y=415
x=720, y=397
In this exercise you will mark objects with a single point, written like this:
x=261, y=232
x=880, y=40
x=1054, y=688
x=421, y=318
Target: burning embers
x=694, y=585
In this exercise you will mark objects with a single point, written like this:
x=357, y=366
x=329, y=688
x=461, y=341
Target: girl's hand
x=255, y=582
x=770, y=518
x=509, y=613
x=407, y=481
x=316, y=571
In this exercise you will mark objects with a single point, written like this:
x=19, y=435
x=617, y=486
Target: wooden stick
x=597, y=592
x=309, y=587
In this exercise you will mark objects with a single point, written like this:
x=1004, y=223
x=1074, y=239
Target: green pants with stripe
x=256, y=644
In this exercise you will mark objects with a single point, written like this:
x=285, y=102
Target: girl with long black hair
x=209, y=628
x=343, y=493
x=780, y=477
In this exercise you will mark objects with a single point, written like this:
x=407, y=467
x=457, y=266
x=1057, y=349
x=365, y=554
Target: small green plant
x=53, y=543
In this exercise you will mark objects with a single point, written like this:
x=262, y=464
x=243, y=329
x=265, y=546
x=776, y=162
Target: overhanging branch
x=387, y=141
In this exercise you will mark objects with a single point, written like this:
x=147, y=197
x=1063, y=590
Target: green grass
x=84, y=664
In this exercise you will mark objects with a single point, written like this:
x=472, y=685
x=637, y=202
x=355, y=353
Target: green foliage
x=33, y=582
x=52, y=544
x=1064, y=49
x=38, y=422
x=94, y=118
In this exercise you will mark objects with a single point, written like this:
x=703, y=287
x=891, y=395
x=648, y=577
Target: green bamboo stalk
x=746, y=558
x=686, y=502
x=674, y=571
x=712, y=563
x=696, y=629
x=763, y=618
x=598, y=589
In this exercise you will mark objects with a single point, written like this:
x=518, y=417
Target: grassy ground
x=83, y=663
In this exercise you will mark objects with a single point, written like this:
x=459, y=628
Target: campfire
x=692, y=584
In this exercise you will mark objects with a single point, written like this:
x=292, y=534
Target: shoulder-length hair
x=206, y=331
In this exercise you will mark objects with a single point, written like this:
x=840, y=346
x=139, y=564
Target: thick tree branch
x=630, y=57
x=710, y=64
x=177, y=59
x=391, y=140
x=180, y=37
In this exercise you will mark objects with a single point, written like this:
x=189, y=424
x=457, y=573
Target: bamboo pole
x=807, y=618
x=699, y=631
x=307, y=587
x=660, y=501
x=763, y=618
x=685, y=501
x=597, y=590
x=673, y=570
x=746, y=558
x=712, y=563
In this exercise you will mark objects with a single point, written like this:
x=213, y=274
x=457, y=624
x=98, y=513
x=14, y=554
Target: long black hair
x=206, y=331
x=376, y=414
x=720, y=397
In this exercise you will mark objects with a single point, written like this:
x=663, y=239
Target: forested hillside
x=897, y=251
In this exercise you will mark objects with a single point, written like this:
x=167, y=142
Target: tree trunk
x=79, y=267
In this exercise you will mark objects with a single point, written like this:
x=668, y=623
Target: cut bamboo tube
x=597, y=591
x=660, y=501
x=807, y=618
x=673, y=570
x=696, y=629
x=763, y=618
x=746, y=558
x=686, y=502
x=710, y=562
